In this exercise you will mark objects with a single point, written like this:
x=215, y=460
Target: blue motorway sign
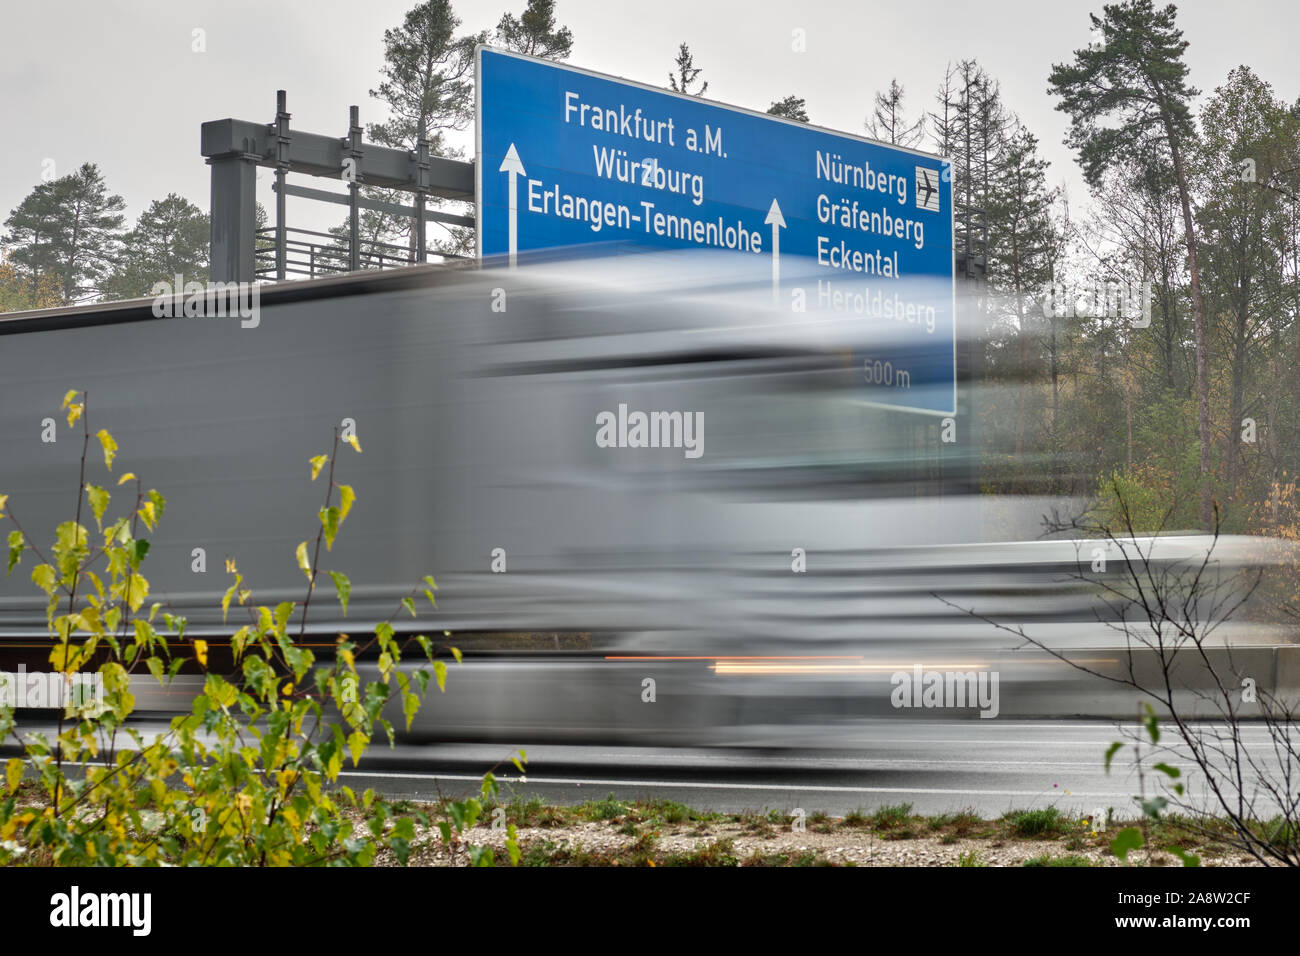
x=567, y=157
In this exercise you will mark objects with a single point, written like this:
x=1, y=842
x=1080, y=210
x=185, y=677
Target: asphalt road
x=989, y=767
x=937, y=766
x=985, y=766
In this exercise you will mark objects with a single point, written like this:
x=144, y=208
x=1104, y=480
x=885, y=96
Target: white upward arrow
x=512, y=165
x=777, y=222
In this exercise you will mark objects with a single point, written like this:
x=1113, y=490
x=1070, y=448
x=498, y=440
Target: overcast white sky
x=115, y=82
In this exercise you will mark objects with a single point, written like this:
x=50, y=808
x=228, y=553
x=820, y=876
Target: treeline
x=68, y=240
x=1186, y=410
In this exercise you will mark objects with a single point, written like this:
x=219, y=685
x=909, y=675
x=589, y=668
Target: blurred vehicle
x=787, y=512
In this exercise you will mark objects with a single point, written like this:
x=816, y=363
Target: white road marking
x=819, y=788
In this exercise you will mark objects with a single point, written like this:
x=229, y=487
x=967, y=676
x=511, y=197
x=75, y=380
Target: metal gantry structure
x=235, y=148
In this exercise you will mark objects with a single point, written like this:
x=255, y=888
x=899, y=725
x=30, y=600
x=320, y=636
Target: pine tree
x=791, y=107
x=428, y=88
x=33, y=229
x=1021, y=246
x=427, y=78
x=68, y=229
x=170, y=238
x=687, y=73
x=534, y=32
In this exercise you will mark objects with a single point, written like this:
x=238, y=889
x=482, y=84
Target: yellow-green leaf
x=109, y=445
x=67, y=399
x=201, y=651
x=90, y=620
x=68, y=659
x=144, y=633
x=16, y=547
x=3, y=499
x=344, y=587
x=238, y=640
x=303, y=563
x=357, y=745
x=352, y=440
x=329, y=521
x=43, y=577
x=129, y=476
x=230, y=593
x=148, y=514
x=98, y=503
x=14, y=773
x=512, y=845
x=317, y=463
x=137, y=589
x=346, y=497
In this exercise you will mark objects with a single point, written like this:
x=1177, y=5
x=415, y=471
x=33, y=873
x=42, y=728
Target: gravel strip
x=843, y=846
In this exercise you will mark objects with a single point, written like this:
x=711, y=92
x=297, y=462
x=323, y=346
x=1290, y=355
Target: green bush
x=250, y=776
x=1030, y=823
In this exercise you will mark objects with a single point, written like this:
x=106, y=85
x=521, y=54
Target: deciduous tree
x=1129, y=101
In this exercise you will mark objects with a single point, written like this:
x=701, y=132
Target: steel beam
x=378, y=205
x=319, y=155
x=234, y=216
x=235, y=148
